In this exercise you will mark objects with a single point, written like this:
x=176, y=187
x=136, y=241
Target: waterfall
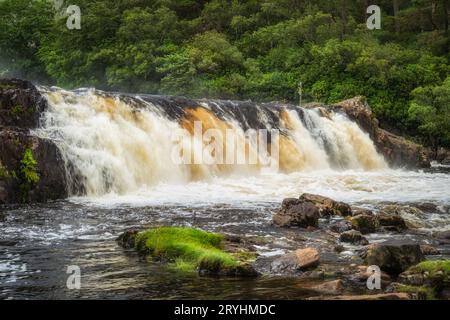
x=121, y=143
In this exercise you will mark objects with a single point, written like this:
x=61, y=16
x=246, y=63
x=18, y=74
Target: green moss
x=422, y=292
x=20, y=110
x=434, y=268
x=29, y=175
x=186, y=249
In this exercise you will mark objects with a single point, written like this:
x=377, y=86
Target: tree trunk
x=396, y=9
x=445, y=9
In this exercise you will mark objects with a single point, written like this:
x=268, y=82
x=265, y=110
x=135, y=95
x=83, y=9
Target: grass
x=187, y=249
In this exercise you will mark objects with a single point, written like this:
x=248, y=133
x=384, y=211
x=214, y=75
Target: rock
x=298, y=213
x=428, y=250
x=354, y=237
x=340, y=226
x=20, y=108
x=391, y=222
x=299, y=260
x=364, y=223
x=397, y=151
x=20, y=104
x=432, y=273
x=381, y=296
x=127, y=239
x=329, y=288
x=339, y=248
x=241, y=271
x=359, y=211
x=327, y=206
x=394, y=256
x=364, y=273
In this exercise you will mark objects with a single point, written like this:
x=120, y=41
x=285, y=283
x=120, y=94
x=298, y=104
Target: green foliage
x=430, y=108
x=242, y=49
x=186, y=248
x=29, y=175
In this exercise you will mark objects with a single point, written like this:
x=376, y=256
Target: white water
x=124, y=157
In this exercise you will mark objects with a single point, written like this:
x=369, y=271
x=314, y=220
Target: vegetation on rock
x=29, y=175
x=188, y=249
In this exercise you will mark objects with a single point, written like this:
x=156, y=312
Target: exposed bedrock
x=31, y=168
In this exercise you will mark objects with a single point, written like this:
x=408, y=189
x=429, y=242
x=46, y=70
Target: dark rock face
x=397, y=151
x=327, y=206
x=391, y=222
x=394, y=256
x=20, y=106
x=298, y=213
x=354, y=237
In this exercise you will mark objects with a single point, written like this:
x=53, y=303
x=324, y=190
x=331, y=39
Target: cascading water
x=122, y=143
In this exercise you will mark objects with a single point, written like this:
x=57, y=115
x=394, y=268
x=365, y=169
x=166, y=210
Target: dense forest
x=254, y=49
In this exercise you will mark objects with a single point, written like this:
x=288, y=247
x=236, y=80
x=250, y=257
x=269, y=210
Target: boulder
x=329, y=288
x=298, y=213
x=354, y=237
x=293, y=262
x=390, y=222
x=364, y=223
x=340, y=226
x=358, y=211
x=394, y=256
x=428, y=250
x=327, y=206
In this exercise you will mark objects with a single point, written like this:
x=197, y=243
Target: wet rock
x=434, y=274
x=127, y=239
x=298, y=213
x=390, y=222
x=364, y=272
x=394, y=256
x=359, y=211
x=241, y=271
x=327, y=206
x=329, y=288
x=339, y=248
x=340, y=226
x=428, y=250
x=293, y=262
x=364, y=223
x=354, y=237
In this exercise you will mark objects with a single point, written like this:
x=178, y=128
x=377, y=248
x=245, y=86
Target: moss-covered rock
x=364, y=223
x=188, y=250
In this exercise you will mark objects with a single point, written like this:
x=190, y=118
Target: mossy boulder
x=364, y=223
x=189, y=250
